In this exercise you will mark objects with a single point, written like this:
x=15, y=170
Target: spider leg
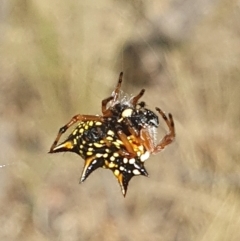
x=147, y=140
x=168, y=120
x=126, y=153
x=131, y=128
x=106, y=111
x=74, y=119
x=167, y=139
x=130, y=151
x=135, y=99
x=143, y=136
x=115, y=93
x=140, y=138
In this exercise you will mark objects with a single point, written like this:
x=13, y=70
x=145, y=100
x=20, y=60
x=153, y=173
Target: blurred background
x=60, y=58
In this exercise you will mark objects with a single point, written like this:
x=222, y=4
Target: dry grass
x=59, y=58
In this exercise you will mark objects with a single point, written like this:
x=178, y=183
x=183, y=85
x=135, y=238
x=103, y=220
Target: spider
x=121, y=139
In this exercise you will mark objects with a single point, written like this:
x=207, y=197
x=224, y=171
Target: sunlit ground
x=60, y=58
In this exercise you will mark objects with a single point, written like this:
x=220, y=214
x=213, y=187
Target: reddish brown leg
x=135, y=99
x=115, y=93
x=75, y=119
x=147, y=140
x=132, y=129
x=167, y=139
x=130, y=152
x=143, y=137
x=122, y=152
x=106, y=112
x=113, y=97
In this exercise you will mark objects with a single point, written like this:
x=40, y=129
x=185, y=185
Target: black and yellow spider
x=121, y=139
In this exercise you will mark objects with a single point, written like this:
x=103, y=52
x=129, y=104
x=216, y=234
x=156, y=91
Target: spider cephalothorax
x=121, y=139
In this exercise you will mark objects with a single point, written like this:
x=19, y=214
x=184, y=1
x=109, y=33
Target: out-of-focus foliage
x=60, y=58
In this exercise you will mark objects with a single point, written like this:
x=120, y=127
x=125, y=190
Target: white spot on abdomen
x=145, y=156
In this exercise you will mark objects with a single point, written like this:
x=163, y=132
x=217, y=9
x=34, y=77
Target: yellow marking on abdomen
x=97, y=145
